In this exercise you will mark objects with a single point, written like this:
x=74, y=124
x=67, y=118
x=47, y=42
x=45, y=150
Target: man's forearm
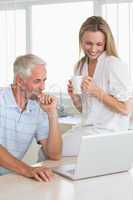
x=54, y=144
x=40, y=173
x=10, y=162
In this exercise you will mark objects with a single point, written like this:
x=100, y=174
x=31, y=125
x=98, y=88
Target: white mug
x=76, y=82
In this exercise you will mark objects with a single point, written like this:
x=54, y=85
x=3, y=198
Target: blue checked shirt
x=17, y=129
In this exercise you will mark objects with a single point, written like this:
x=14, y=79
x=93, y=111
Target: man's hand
x=53, y=146
x=48, y=103
x=10, y=162
x=39, y=173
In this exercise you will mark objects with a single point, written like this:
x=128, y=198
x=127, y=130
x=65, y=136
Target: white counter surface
x=73, y=120
x=111, y=187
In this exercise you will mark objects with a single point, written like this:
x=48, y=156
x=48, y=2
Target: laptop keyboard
x=71, y=171
x=69, y=168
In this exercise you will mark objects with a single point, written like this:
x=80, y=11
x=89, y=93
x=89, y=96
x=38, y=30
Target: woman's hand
x=89, y=87
x=70, y=89
x=75, y=97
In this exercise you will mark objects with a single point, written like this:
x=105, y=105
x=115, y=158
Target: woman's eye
x=88, y=43
x=99, y=44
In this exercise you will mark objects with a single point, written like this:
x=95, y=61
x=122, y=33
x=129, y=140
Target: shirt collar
x=9, y=97
x=11, y=102
x=102, y=56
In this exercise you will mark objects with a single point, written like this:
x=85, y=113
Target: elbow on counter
x=55, y=157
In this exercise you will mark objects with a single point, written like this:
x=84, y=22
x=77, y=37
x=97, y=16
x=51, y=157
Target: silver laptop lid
x=104, y=154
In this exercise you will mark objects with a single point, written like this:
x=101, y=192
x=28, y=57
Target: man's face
x=35, y=84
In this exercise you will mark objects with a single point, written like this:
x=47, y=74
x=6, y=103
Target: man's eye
x=36, y=81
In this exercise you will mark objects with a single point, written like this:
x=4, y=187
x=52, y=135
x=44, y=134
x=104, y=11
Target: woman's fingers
x=89, y=78
x=70, y=88
x=86, y=83
x=70, y=82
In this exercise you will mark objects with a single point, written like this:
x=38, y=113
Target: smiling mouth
x=92, y=54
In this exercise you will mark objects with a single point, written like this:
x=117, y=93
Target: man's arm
x=10, y=162
x=52, y=146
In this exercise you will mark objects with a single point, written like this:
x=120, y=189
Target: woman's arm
x=110, y=101
x=75, y=97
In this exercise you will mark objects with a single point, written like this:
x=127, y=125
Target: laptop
x=100, y=155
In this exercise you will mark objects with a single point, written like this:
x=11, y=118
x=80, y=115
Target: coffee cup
x=76, y=82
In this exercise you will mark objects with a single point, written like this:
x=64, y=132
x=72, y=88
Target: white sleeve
x=120, y=85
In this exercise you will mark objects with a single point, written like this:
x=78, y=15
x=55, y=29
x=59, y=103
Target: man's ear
x=20, y=81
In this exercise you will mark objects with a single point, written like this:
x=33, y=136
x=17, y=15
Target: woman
x=106, y=89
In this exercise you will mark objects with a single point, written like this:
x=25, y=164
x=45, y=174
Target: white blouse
x=113, y=76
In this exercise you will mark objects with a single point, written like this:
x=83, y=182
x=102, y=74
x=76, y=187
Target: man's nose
x=42, y=86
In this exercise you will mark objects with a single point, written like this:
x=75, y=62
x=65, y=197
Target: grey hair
x=24, y=64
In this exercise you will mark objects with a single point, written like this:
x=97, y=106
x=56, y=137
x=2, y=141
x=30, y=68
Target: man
x=26, y=113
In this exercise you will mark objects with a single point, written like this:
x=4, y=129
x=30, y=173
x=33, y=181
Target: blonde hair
x=24, y=64
x=93, y=24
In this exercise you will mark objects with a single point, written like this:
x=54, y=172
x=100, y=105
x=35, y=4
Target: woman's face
x=93, y=44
